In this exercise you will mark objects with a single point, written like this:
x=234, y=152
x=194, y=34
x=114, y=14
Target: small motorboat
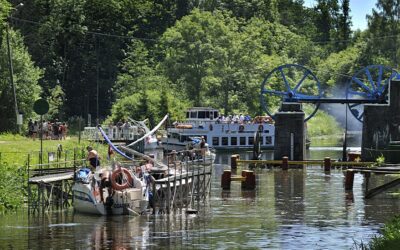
x=110, y=192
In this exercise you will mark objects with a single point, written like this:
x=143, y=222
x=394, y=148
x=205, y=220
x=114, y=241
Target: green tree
x=26, y=77
x=383, y=24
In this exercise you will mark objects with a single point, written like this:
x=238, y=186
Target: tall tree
x=26, y=77
x=344, y=26
x=383, y=24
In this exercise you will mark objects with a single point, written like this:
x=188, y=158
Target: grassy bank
x=14, y=151
x=388, y=239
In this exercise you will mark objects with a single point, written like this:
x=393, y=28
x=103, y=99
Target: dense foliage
x=101, y=57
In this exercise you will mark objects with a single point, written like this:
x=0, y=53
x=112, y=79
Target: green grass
x=389, y=238
x=15, y=151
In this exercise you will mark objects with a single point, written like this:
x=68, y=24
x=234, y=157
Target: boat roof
x=202, y=109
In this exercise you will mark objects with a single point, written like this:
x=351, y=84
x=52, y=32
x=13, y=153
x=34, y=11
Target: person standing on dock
x=93, y=158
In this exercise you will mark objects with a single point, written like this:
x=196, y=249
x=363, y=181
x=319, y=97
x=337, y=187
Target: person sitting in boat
x=203, y=147
x=93, y=158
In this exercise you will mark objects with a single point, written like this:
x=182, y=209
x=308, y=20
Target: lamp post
x=10, y=66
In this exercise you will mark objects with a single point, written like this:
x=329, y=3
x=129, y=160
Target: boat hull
x=87, y=200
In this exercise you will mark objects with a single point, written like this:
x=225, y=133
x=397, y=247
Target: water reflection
x=288, y=210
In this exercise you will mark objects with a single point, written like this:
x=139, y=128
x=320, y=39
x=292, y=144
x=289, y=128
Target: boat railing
x=113, y=132
x=189, y=124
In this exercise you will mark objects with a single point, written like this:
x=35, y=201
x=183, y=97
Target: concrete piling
x=349, y=180
x=234, y=159
x=226, y=179
x=327, y=164
x=250, y=180
x=285, y=163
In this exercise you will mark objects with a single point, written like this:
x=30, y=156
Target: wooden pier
x=190, y=183
x=349, y=168
x=50, y=184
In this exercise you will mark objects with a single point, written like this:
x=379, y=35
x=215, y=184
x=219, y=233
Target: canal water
x=297, y=209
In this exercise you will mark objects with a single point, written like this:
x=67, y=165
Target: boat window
x=268, y=140
x=201, y=114
x=242, y=140
x=261, y=140
x=251, y=140
x=207, y=114
x=215, y=141
x=266, y=131
x=187, y=115
x=225, y=141
x=215, y=114
x=233, y=141
x=193, y=114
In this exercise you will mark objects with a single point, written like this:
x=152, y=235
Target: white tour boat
x=220, y=134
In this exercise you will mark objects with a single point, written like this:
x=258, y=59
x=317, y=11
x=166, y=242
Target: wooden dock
x=350, y=168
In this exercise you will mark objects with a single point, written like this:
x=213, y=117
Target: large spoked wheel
x=370, y=83
x=289, y=83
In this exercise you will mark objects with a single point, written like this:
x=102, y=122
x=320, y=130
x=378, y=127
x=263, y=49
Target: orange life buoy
x=127, y=179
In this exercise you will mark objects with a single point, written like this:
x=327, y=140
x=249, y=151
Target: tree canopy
x=115, y=59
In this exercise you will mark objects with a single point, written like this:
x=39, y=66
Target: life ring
x=127, y=181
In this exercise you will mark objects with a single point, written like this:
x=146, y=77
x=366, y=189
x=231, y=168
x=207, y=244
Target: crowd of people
x=243, y=119
x=52, y=130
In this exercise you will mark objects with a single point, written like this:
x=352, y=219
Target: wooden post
x=285, y=164
x=349, y=180
x=250, y=182
x=234, y=159
x=226, y=179
x=327, y=165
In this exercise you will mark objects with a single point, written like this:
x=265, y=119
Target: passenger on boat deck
x=93, y=158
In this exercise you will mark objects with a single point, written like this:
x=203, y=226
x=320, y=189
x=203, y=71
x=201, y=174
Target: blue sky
x=359, y=9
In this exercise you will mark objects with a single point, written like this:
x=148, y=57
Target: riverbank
x=16, y=151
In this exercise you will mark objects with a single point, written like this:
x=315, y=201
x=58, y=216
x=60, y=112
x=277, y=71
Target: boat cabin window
x=193, y=114
x=216, y=114
x=215, y=141
x=242, y=141
x=233, y=141
x=187, y=115
x=268, y=140
x=251, y=140
x=224, y=141
x=201, y=114
x=261, y=140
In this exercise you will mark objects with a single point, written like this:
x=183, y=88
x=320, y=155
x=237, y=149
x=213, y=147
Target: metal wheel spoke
x=301, y=81
x=371, y=81
x=378, y=83
x=361, y=115
x=353, y=105
x=284, y=79
x=361, y=84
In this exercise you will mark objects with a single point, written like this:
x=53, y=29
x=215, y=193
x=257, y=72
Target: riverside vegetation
x=14, y=150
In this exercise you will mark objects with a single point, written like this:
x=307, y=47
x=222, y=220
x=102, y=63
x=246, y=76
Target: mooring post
x=327, y=164
x=285, y=163
x=226, y=179
x=234, y=159
x=349, y=180
x=250, y=182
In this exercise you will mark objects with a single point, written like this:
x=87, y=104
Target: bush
x=390, y=238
